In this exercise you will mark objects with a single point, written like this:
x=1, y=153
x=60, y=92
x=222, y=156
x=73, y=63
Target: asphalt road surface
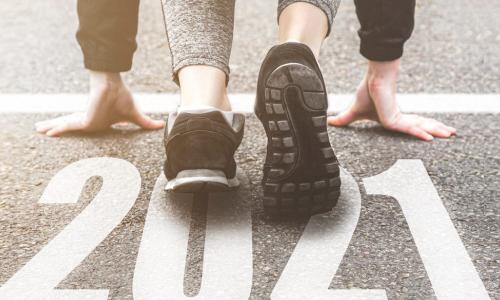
x=454, y=50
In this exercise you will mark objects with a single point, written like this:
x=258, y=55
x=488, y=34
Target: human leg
x=301, y=174
x=203, y=134
x=200, y=37
x=304, y=23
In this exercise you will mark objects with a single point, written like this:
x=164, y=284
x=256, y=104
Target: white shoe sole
x=190, y=181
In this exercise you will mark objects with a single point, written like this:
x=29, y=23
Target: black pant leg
x=385, y=26
x=107, y=33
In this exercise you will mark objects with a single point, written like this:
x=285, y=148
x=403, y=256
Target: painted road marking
x=227, y=269
x=227, y=258
x=320, y=250
x=162, y=103
x=39, y=278
x=445, y=258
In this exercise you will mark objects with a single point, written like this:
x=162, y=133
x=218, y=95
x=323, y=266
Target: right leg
x=301, y=172
x=204, y=134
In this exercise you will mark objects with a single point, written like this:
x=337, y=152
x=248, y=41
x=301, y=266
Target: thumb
x=343, y=119
x=146, y=122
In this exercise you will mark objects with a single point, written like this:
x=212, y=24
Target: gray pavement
x=382, y=253
x=455, y=49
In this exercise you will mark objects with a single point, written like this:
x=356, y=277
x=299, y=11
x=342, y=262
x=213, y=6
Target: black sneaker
x=200, y=151
x=301, y=172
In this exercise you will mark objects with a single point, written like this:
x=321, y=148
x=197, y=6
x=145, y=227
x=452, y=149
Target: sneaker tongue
x=201, y=109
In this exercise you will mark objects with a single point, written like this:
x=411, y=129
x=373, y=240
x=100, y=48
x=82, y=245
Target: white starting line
x=162, y=103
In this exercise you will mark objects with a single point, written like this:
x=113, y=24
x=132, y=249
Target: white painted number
x=227, y=262
x=446, y=261
x=320, y=250
x=120, y=188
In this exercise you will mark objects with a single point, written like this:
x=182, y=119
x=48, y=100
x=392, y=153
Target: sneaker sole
x=202, y=180
x=296, y=101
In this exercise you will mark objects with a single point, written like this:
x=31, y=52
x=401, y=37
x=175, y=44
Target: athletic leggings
x=201, y=32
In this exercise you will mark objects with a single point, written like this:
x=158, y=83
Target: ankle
x=303, y=23
x=220, y=102
x=203, y=85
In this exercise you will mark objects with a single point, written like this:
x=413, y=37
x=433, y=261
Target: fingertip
x=155, y=124
x=342, y=119
x=421, y=134
x=333, y=121
x=38, y=125
x=159, y=123
x=425, y=138
x=41, y=129
x=52, y=133
x=446, y=131
x=148, y=123
x=442, y=134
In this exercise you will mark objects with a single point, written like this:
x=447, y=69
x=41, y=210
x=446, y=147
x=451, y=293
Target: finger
x=442, y=126
x=414, y=130
x=43, y=127
x=419, y=133
x=449, y=129
x=147, y=123
x=65, y=127
x=436, y=128
x=46, y=125
x=453, y=130
x=343, y=119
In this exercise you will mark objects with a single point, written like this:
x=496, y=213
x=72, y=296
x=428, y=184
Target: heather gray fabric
x=201, y=32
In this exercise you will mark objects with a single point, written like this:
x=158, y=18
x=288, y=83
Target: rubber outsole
x=202, y=180
x=201, y=186
x=303, y=172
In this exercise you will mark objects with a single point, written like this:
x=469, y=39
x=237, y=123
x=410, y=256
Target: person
x=301, y=173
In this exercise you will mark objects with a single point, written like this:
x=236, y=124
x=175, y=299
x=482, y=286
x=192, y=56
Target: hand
x=376, y=101
x=110, y=102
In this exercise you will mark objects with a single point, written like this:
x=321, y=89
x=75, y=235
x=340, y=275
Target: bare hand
x=376, y=101
x=110, y=102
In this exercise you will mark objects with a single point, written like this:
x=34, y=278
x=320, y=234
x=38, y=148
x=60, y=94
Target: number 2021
x=227, y=263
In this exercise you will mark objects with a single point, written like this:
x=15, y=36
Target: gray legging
x=199, y=32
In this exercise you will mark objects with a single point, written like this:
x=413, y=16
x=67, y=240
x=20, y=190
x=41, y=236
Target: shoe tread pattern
x=285, y=190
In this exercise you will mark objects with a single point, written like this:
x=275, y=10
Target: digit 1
x=445, y=258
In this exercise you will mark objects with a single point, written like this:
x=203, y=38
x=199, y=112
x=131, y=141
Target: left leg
x=203, y=135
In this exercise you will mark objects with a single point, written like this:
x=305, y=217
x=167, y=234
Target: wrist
x=105, y=80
